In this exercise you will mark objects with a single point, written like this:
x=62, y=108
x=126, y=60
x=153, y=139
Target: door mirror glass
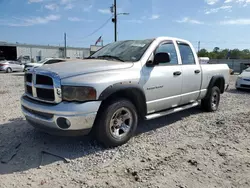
x=162, y=58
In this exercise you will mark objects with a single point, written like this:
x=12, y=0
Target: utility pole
x=113, y=10
x=65, y=45
x=115, y=20
x=199, y=45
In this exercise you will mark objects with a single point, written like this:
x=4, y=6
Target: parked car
x=24, y=59
x=11, y=66
x=243, y=80
x=46, y=61
x=109, y=92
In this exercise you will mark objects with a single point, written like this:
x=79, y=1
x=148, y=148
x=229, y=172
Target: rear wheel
x=116, y=123
x=212, y=101
x=8, y=70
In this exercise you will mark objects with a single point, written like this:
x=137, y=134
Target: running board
x=171, y=111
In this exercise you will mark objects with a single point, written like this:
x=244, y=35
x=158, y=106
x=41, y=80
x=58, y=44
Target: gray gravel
x=187, y=149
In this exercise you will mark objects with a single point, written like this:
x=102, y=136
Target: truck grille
x=43, y=86
x=41, y=79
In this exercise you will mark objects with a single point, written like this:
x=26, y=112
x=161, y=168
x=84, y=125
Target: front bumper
x=242, y=84
x=46, y=117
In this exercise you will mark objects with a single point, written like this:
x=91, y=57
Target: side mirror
x=162, y=58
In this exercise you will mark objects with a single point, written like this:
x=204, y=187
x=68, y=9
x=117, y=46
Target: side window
x=168, y=48
x=187, y=55
x=52, y=61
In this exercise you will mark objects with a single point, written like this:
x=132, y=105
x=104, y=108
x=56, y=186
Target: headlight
x=78, y=93
x=239, y=77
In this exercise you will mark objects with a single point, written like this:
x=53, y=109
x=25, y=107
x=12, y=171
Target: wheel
x=8, y=70
x=212, y=101
x=116, y=123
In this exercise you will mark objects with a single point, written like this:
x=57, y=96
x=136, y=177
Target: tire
x=116, y=123
x=212, y=100
x=8, y=70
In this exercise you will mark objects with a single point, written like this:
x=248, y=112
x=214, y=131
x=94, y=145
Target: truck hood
x=245, y=74
x=74, y=68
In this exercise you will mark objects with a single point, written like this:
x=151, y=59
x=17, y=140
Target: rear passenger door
x=191, y=74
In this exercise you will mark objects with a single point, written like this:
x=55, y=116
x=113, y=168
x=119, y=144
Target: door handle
x=197, y=71
x=177, y=73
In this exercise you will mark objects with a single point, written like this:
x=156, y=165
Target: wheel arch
x=218, y=81
x=132, y=92
x=9, y=68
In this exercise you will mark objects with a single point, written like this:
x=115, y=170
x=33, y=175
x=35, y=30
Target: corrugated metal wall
x=235, y=64
x=37, y=53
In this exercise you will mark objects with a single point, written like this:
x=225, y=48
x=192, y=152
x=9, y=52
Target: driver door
x=163, y=82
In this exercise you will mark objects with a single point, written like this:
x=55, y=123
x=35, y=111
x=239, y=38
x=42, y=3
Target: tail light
x=1, y=65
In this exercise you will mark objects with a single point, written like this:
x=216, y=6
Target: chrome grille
x=43, y=86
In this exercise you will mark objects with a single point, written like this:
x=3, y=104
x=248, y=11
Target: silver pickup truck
x=124, y=81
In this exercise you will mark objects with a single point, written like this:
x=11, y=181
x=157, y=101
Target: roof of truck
x=171, y=38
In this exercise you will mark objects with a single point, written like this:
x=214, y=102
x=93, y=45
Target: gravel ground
x=188, y=149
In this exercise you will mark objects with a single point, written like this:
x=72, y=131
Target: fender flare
x=137, y=93
x=213, y=81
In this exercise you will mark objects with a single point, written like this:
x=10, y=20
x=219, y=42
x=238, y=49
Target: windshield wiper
x=110, y=56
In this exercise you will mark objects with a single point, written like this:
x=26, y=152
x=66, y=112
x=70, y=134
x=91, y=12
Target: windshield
x=42, y=61
x=129, y=50
x=248, y=69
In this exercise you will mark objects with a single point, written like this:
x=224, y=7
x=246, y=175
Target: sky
x=215, y=23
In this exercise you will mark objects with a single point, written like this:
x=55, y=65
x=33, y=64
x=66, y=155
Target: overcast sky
x=222, y=23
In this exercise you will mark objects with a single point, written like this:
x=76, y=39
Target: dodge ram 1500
x=108, y=92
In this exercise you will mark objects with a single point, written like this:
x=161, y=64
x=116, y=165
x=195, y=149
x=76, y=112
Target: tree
x=218, y=53
x=203, y=53
x=223, y=54
x=216, y=49
x=235, y=54
x=245, y=54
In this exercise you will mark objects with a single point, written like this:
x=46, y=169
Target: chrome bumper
x=81, y=116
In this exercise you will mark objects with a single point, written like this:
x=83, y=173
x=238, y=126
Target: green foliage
x=218, y=53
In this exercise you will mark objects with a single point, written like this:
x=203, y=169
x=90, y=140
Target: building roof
x=2, y=43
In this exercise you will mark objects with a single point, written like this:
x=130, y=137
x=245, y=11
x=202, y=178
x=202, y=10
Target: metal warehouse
x=34, y=53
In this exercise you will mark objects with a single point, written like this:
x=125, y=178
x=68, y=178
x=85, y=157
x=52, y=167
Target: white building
x=11, y=51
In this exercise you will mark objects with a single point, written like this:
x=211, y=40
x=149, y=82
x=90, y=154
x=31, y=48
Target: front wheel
x=116, y=123
x=8, y=70
x=212, y=101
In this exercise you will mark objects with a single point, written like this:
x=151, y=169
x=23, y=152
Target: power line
x=105, y=23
